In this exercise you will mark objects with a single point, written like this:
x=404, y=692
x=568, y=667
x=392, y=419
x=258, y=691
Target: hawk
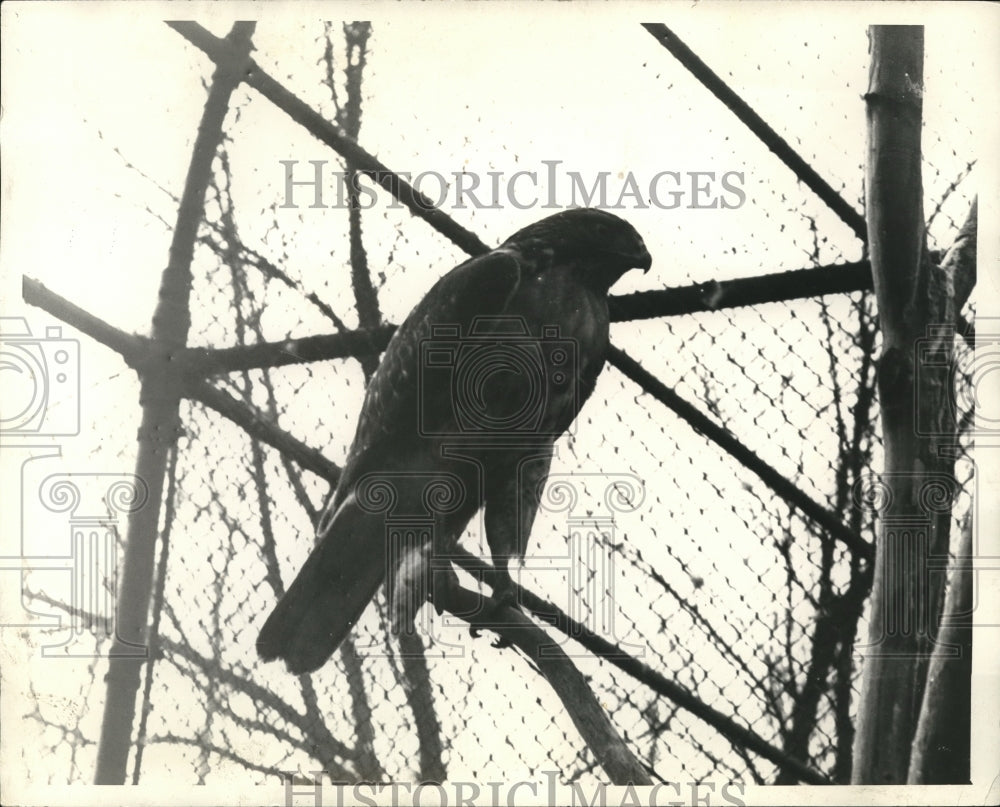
x=484, y=375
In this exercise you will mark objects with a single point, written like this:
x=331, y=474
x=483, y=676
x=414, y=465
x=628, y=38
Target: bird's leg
x=504, y=591
x=443, y=581
x=504, y=594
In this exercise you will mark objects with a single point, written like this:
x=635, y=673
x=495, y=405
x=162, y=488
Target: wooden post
x=915, y=492
x=159, y=398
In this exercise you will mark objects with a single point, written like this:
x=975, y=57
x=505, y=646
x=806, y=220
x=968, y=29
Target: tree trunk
x=914, y=495
x=160, y=397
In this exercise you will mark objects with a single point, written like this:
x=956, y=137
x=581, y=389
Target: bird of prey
x=477, y=384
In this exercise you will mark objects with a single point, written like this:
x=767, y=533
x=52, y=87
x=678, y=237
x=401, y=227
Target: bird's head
x=601, y=245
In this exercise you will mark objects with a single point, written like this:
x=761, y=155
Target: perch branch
x=548, y=612
x=614, y=756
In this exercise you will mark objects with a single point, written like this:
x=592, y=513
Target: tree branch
x=220, y=51
x=777, y=144
x=642, y=672
x=596, y=729
x=159, y=398
x=729, y=443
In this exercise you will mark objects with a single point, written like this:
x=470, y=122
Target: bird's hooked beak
x=634, y=259
x=643, y=260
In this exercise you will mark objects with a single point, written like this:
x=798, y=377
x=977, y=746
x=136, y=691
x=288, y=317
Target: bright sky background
x=474, y=87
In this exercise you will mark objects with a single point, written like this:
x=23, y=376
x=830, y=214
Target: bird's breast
x=567, y=326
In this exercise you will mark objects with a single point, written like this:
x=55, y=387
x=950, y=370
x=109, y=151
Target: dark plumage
x=473, y=390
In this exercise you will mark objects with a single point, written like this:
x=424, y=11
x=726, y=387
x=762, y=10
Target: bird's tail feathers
x=330, y=593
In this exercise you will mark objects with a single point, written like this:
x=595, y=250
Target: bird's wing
x=393, y=419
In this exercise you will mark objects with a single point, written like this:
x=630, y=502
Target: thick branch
x=715, y=295
x=893, y=180
x=160, y=424
x=696, y=298
x=597, y=730
x=725, y=439
x=917, y=315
